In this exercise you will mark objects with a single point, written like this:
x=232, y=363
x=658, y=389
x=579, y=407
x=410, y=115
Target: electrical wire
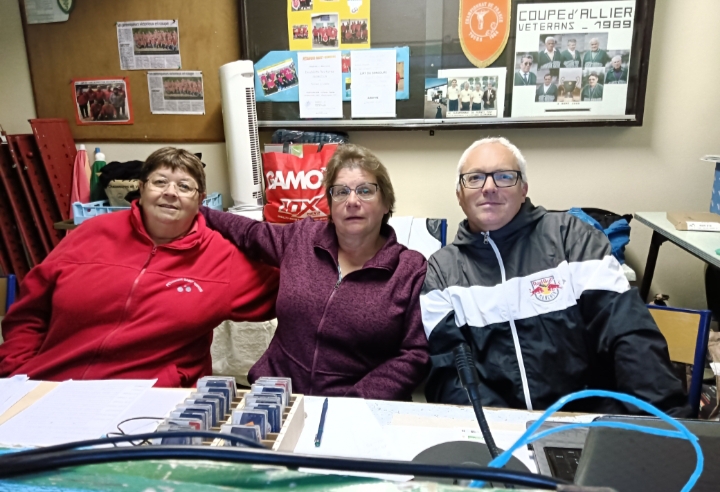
x=49, y=450
x=121, y=432
x=530, y=436
x=77, y=454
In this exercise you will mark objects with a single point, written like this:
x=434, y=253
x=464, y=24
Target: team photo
x=182, y=88
x=278, y=77
x=324, y=31
x=102, y=101
x=156, y=41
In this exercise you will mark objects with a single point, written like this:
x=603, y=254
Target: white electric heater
x=241, y=138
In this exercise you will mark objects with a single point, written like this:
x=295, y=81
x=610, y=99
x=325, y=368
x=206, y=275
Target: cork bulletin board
x=86, y=46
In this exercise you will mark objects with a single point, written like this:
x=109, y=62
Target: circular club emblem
x=483, y=20
x=545, y=289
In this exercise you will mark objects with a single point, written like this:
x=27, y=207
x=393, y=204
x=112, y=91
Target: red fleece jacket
x=108, y=304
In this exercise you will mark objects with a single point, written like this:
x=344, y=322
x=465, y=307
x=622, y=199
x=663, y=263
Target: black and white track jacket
x=547, y=311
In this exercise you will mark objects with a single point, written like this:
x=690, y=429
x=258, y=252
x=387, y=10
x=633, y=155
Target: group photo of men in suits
x=549, y=69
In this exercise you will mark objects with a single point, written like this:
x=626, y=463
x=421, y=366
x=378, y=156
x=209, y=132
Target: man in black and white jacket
x=541, y=301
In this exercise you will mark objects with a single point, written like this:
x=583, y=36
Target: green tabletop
x=182, y=476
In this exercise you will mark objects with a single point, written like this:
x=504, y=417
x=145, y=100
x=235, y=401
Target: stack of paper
x=73, y=411
x=13, y=389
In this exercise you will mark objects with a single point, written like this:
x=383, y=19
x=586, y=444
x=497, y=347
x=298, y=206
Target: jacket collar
x=190, y=240
x=528, y=215
x=387, y=258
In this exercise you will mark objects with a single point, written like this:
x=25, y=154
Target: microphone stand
x=470, y=381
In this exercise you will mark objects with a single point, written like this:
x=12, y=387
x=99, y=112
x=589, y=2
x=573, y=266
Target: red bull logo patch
x=545, y=289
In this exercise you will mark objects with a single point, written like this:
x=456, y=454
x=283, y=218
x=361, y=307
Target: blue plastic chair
x=687, y=332
x=11, y=290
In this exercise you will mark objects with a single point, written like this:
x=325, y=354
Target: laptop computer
x=630, y=461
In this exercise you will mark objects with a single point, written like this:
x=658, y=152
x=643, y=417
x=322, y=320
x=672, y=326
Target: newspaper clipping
x=147, y=45
x=176, y=93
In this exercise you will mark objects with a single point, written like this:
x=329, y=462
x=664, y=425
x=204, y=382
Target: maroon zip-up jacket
x=362, y=336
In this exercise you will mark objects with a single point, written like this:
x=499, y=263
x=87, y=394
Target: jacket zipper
x=317, y=335
x=124, y=313
x=513, y=329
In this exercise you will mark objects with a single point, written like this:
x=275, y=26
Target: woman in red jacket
x=136, y=294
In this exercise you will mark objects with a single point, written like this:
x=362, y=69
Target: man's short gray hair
x=521, y=162
x=617, y=57
x=550, y=38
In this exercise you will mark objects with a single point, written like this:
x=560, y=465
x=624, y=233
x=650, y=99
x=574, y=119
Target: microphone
x=470, y=380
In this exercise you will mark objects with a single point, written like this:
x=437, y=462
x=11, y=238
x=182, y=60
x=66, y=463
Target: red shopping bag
x=293, y=185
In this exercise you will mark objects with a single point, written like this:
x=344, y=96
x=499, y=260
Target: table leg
x=655, y=243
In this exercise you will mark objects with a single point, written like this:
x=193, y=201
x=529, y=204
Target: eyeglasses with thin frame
x=502, y=179
x=365, y=191
x=160, y=184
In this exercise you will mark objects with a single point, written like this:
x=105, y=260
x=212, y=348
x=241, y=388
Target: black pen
x=318, y=436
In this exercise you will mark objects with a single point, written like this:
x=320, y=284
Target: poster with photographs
x=328, y=24
x=466, y=93
x=278, y=77
x=572, y=58
x=102, y=101
x=176, y=92
x=149, y=45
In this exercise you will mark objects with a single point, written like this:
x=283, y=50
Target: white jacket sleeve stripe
x=543, y=292
x=605, y=274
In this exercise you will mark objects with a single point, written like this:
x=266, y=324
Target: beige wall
x=16, y=97
x=655, y=167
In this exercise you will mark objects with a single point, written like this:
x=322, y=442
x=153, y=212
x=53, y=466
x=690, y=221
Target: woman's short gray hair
x=522, y=164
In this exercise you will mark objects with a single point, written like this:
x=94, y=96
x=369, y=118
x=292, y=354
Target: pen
x=318, y=436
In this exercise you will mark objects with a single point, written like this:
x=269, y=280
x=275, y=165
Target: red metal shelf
x=30, y=197
x=57, y=150
x=29, y=233
x=34, y=174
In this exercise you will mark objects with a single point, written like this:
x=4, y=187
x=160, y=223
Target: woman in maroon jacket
x=348, y=306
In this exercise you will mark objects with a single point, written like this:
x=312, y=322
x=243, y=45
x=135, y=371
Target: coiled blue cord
x=530, y=436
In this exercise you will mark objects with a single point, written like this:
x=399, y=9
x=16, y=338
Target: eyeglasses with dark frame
x=365, y=191
x=502, y=179
x=160, y=184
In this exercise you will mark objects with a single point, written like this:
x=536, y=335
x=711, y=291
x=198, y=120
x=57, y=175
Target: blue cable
x=530, y=436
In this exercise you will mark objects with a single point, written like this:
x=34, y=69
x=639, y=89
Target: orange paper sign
x=484, y=27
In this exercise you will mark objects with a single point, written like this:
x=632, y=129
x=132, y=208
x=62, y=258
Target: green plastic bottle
x=97, y=192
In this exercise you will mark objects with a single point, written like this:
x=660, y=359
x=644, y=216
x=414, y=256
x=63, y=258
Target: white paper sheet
x=350, y=431
x=434, y=424
x=44, y=12
x=402, y=226
x=156, y=402
x=373, y=83
x=320, y=77
x=73, y=411
x=13, y=389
